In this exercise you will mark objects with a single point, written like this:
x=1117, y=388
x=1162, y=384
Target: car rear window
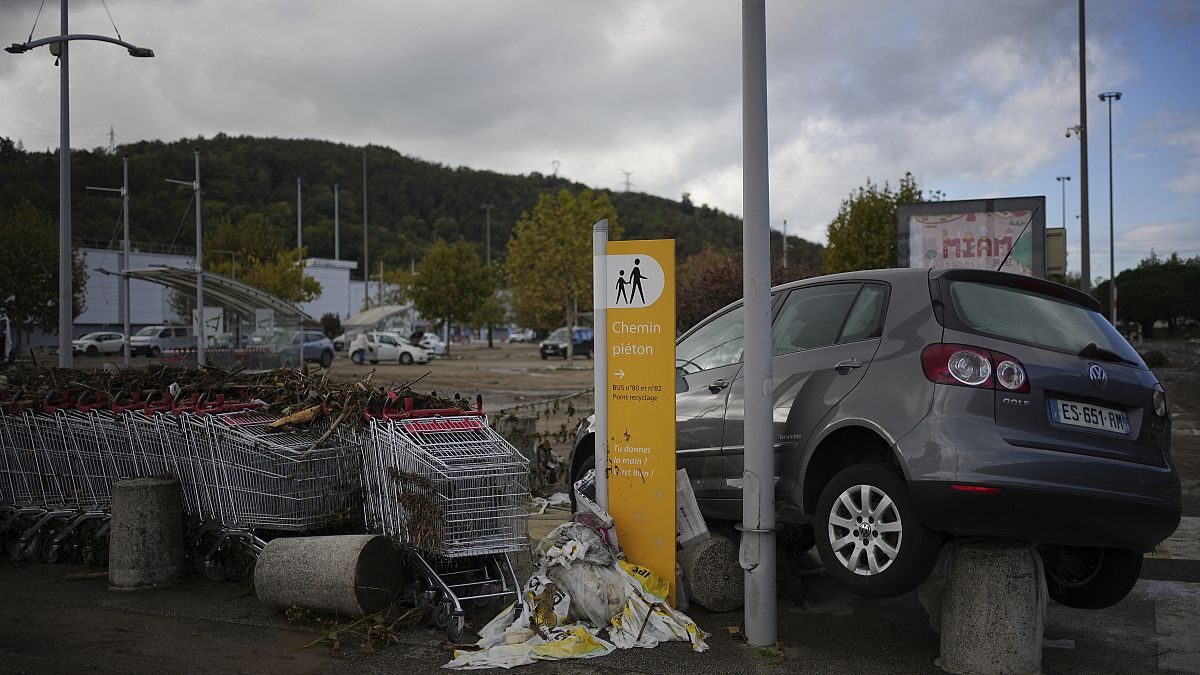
x=1032, y=318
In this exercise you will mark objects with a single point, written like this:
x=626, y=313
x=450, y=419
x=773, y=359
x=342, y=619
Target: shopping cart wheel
x=455, y=628
x=15, y=550
x=441, y=614
x=52, y=554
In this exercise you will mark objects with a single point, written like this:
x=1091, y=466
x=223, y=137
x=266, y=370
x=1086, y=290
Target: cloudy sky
x=972, y=96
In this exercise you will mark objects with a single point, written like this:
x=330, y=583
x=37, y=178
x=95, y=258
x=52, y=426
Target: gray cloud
x=951, y=91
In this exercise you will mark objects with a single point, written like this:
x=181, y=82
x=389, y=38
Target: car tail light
x=967, y=366
x=1160, y=401
x=1010, y=374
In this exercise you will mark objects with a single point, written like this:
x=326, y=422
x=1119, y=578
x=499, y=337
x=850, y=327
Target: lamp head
x=16, y=49
x=141, y=52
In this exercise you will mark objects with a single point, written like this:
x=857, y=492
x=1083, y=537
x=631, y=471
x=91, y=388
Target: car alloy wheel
x=406, y=358
x=865, y=530
x=92, y=351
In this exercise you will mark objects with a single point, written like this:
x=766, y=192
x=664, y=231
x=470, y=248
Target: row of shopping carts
x=441, y=483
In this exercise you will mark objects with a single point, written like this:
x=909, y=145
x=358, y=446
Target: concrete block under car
x=711, y=574
x=992, y=610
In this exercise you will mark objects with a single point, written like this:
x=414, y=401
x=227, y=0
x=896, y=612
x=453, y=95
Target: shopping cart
x=453, y=493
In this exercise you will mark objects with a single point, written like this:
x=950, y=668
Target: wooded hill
x=252, y=181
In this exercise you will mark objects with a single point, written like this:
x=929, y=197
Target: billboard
x=980, y=234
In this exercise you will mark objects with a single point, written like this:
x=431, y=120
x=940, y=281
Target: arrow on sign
x=620, y=374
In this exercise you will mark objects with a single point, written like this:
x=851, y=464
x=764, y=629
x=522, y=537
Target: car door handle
x=718, y=385
x=846, y=365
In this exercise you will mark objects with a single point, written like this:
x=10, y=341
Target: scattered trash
x=558, y=500
x=582, y=587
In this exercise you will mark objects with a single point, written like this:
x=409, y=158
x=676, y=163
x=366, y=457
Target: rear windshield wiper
x=1095, y=351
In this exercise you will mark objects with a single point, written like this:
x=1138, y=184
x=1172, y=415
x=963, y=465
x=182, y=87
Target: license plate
x=1088, y=416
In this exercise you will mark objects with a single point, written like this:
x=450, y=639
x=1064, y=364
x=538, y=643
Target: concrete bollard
x=349, y=575
x=145, y=547
x=711, y=574
x=993, y=609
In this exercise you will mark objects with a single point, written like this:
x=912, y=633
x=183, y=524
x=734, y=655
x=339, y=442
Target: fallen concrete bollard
x=146, y=536
x=349, y=575
x=711, y=574
x=993, y=609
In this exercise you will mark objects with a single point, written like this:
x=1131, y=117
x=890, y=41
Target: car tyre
x=870, y=503
x=543, y=357
x=155, y=352
x=92, y=351
x=406, y=358
x=1089, y=577
x=326, y=359
x=581, y=467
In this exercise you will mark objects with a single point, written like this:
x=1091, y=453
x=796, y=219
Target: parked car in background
x=911, y=405
x=433, y=344
x=154, y=340
x=395, y=348
x=522, y=335
x=316, y=347
x=556, y=344
x=94, y=344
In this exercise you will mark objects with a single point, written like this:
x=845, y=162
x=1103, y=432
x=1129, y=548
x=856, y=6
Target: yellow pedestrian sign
x=640, y=359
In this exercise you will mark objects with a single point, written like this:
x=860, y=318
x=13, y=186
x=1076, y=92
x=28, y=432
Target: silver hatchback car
x=911, y=405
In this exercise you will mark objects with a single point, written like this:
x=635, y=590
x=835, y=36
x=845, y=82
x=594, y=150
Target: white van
x=153, y=340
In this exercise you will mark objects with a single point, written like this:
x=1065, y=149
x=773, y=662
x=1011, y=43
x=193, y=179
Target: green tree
x=252, y=251
x=451, y=283
x=549, y=265
x=1157, y=289
x=29, y=269
x=863, y=235
x=331, y=325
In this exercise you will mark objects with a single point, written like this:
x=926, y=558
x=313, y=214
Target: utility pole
x=366, y=259
x=380, y=296
x=785, y=243
x=123, y=289
x=1111, y=96
x=337, y=238
x=1085, y=233
x=487, y=209
x=299, y=223
x=1062, y=180
x=757, y=554
x=201, y=342
x=66, y=295
x=628, y=183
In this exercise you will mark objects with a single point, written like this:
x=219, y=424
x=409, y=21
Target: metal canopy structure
x=377, y=315
x=221, y=290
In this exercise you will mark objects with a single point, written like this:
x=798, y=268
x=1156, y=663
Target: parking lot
x=56, y=622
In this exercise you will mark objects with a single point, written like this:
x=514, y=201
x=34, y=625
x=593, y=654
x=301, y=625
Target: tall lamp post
x=487, y=209
x=66, y=315
x=1111, y=96
x=1062, y=180
x=201, y=342
x=123, y=301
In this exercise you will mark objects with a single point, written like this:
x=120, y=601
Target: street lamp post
x=487, y=210
x=1062, y=180
x=66, y=315
x=123, y=299
x=201, y=342
x=1110, y=96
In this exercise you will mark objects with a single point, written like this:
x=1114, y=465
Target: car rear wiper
x=1095, y=351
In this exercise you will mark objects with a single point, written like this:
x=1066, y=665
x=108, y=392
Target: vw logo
x=1097, y=375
